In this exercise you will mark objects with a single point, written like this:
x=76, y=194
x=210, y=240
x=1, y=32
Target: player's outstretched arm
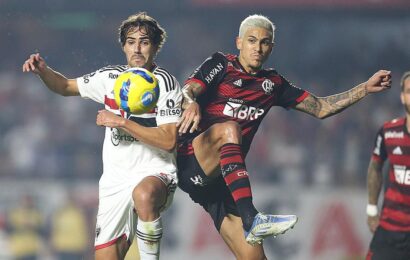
x=192, y=111
x=323, y=107
x=374, y=185
x=54, y=80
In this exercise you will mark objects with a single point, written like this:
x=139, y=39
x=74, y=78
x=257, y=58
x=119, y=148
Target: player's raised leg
x=232, y=233
x=218, y=151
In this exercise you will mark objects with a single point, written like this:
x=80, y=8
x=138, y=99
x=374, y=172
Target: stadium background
x=50, y=147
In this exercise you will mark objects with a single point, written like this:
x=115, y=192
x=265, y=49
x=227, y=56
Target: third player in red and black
x=391, y=227
x=225, y=100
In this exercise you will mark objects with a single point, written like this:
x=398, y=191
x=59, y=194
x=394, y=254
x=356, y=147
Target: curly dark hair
x=154, y=31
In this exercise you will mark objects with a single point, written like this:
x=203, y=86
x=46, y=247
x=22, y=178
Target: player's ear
x=402, y=97
x=238, y=43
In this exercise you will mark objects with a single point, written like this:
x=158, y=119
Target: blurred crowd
x=48, y=137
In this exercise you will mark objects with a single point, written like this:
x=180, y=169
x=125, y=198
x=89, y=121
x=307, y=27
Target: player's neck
x=248, y=69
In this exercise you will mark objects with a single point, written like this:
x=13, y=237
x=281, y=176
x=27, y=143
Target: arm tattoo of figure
x=322, y=107
x=374, y=181
x=190, y=91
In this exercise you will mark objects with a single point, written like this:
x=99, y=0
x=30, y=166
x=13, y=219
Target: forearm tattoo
x=374, y=181
x=190, y=92
x=323, y=107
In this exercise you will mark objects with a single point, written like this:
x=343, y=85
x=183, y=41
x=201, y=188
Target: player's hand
x=373, y=223
x=190, y=118
x=35, y=63
x=109, y=119
x=380, y=81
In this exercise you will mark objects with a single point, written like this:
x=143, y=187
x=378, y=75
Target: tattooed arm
x=323, y=107
x=374, y=186
x=374, y=181
x=192, y=111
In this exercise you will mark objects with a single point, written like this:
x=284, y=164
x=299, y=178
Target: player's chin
x=138, y=64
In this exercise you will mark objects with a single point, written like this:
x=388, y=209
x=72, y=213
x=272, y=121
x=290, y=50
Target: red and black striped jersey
x=231, y=94
x=393, y=143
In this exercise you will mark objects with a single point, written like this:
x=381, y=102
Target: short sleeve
x=170, y=98
x=379, y=150
x=211, y=72
x=289, y=95
x=91, y=86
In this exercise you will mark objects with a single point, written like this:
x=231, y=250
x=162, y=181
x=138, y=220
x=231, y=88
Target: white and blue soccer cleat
x=269, y=225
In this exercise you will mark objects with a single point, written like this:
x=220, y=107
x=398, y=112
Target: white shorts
x=116, y=216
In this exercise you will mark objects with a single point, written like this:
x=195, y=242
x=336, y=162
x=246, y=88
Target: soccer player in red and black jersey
x=225, y=100
x=391, y=228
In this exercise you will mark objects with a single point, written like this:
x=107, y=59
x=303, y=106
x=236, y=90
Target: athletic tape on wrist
x=371, y=210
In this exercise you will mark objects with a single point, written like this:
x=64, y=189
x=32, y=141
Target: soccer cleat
x=269, y=225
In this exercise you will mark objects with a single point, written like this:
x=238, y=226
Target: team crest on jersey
x=267, y=86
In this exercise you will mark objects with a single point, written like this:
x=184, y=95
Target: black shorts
x=390, y=245
x=212, y=194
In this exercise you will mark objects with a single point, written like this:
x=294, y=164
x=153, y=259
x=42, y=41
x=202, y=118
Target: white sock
x=148, y=238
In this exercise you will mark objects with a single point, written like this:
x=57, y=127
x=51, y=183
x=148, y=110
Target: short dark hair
x=405, y=76
x=155, y=32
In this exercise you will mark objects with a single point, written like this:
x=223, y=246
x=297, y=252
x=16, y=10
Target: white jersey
x=124, y=155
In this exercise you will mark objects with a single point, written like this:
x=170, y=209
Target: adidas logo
x=238, y=83
x=397, y=150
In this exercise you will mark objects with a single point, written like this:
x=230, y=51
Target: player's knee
x=144, y=196
x=230, y=132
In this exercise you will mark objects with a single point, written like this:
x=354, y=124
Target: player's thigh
x=206, y=148
x=116, y=251
x=232, y=233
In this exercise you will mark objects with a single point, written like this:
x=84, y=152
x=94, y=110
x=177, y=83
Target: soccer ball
x=136, y=91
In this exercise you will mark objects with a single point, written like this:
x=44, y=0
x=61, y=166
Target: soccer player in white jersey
x=139, y=175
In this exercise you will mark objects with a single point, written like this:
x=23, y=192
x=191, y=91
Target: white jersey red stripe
x=126, y=160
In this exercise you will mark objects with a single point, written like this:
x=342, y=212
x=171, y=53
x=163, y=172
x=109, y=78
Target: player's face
x=405, y=95
x=254, y=48
x=138, y=49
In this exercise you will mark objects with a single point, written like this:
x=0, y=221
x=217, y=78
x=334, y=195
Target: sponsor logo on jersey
x=171, y=111
x=402, y=174
x=242, y=111
x=378, y=144
x=238, y=83
x=397, y=151
x=267, y=86
x=112, y=75
x=170, y=103
x=211, y=75
x=118, y=136
x=86, y=78
x=393, y=134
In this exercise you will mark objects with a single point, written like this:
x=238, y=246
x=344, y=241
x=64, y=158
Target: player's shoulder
x=394, y=123
x=163, y=75
x=113, y=68
x=270, y=72
x=224, y=56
